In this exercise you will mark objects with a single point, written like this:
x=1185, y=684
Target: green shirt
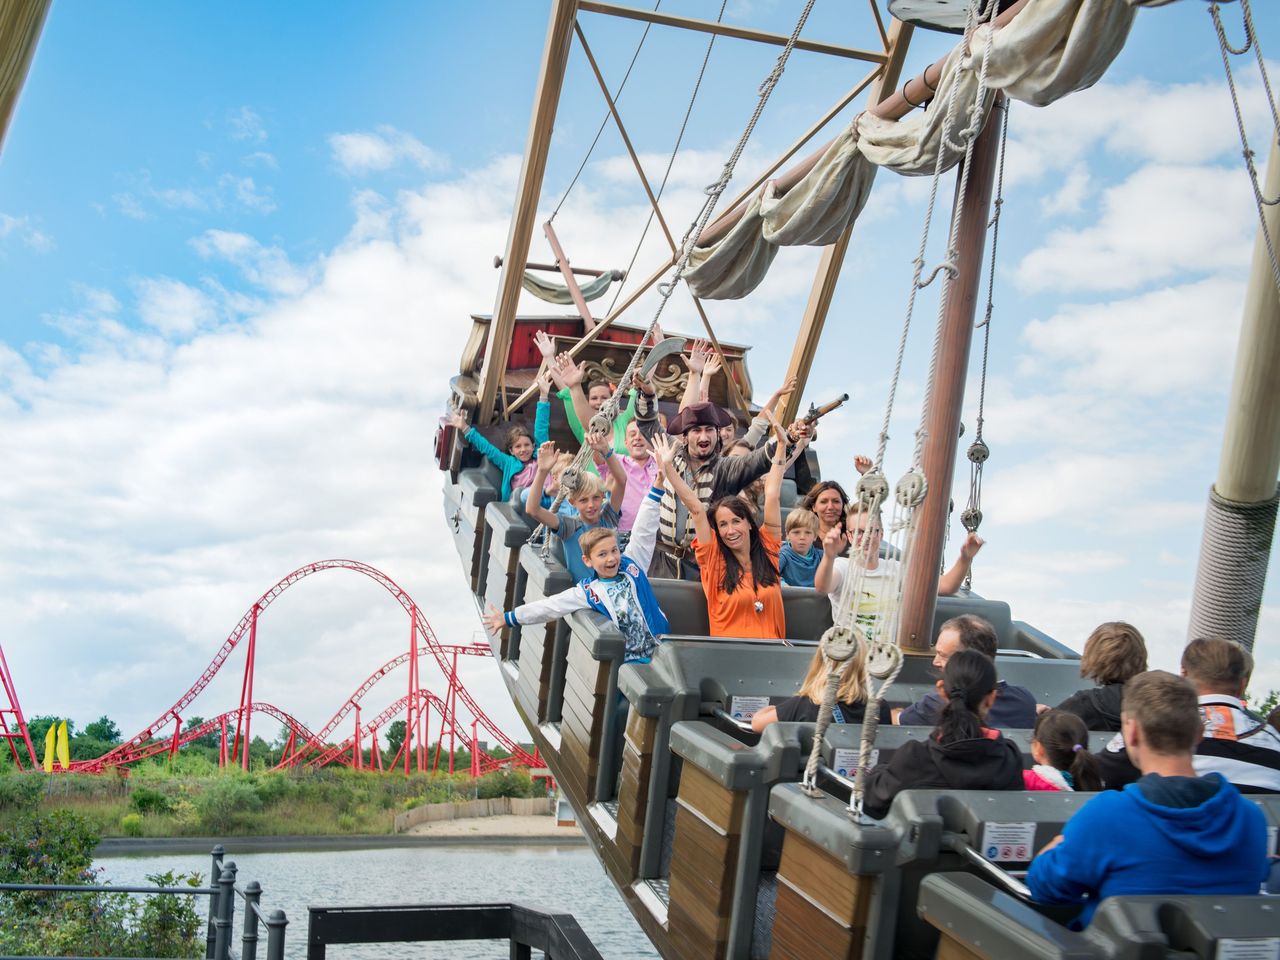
x=625, y=416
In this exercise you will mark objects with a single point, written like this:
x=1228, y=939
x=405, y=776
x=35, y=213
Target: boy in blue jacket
x=1171, y=832
x=617, y=588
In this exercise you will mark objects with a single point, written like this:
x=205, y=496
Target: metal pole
x=276, y=922
x=946, y=394
x=1240, y=518
x=453, y=709
x=215, y=870
x=412, y=703
x=226, y=912
x=359, y=752
x=249, y=939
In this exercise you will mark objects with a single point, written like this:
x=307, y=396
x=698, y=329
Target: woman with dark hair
x=962, y=753
x=1060, y=749
x=1114, y=654
x=829, y=501
x=737, y=559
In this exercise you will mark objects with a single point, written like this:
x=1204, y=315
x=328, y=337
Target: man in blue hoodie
x=1181, y=833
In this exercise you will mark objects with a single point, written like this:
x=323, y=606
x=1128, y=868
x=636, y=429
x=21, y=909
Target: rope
x=838, y=646
x=603, y=123
x=1226, y=49
x=883, y=663
x=666, y=174
x=979, y=452
x=608, y=413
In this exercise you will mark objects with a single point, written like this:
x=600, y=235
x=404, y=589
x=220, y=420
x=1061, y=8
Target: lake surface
x=555, y=879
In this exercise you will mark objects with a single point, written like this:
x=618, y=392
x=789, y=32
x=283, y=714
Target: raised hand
x=799, y=430
x=697, y=358
x=658, y=335
x=543, y=380
x=493, y=620
x=644, y=386
x=571, y=374
x=969, y=549
x=779, y=431
x=787, y=388
x=456, y=420
x=547, y=454
x=601, y=442
x=664, y=451
x=835, y=541
x=862, y=463
x=546, y=346
x=712, y=367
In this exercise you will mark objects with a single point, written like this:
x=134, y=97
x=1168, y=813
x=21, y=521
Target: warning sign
x=744, y=708
x=1253, y=948
x=1009, y=842
x=846, y=761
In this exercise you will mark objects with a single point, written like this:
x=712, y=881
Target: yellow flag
x=64, y=751
x=49, y=740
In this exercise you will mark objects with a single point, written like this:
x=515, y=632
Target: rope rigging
x=1228, y=50
x=602, y=422
x=978, y=452
x=603, y=123
x=666, y=174
x=867, y=615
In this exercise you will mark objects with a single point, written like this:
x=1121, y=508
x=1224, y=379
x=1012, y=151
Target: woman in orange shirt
x=739, y=560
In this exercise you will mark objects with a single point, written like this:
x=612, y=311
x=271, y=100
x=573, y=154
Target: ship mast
x=1241, y=515
x=20, y=25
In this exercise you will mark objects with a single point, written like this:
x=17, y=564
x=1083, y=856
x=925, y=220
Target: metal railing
x=222, y=895
x=556, y=935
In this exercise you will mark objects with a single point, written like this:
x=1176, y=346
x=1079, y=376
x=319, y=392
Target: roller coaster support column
x=246, y=696
x=222, y=746
x=358, y=754
x=424, y=742
x=475, y=752
x=375, y=750
x=411, y=705
x=177, y=732
x=453, y=709
x=946, y=393
x=19, y=733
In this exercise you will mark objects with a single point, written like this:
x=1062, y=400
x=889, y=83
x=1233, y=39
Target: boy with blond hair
x=797, y=558
x=617, y=586
x=595, y=508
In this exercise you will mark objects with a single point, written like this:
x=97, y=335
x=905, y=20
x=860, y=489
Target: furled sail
x=1050, y=49
x=551, y=292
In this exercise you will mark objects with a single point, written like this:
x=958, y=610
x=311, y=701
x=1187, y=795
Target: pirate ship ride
x=728, y=843
x=720, y=840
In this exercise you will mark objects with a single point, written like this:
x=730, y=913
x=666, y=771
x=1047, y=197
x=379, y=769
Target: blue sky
x=239, y=246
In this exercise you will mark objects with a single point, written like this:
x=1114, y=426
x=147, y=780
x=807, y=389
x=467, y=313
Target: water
x=555, y=879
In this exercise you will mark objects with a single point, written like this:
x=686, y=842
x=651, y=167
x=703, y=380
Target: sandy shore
x=505, y=825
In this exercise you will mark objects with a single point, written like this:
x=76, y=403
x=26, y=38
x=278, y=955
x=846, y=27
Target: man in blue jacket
x=1171, y=832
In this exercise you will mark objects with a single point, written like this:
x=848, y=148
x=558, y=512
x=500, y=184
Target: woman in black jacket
x=961, y=754
x=1114, y=653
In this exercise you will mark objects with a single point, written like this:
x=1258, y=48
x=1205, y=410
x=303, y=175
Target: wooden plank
x=949, y=949
x=803, y=932
x=702, y=864
x=633, y=791
x=593, y=673
x=820, y=876
x=641, y=731
x=584, y=729
x=706, y=795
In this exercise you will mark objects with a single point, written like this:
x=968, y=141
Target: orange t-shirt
x=735, y=614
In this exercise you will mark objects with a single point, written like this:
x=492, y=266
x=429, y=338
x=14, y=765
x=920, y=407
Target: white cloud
x=228, y=192
x=1161, y=222
x=173, y=307
x=366, y=152
x=266, y=267
x=24, y=231
x=1070, y=196
x=245, y=124
x=247, y=193
x=260, y=158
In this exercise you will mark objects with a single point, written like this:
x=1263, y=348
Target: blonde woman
x=850, y=704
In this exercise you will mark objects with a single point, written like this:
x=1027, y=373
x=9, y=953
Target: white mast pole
x=1241, y=515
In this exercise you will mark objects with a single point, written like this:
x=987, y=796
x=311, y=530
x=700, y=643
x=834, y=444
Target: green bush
x=20, y=791
x=271, y=788
x=131, y=824
x=146, y=800
x=225, y=804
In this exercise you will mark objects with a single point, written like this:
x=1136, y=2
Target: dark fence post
x=276, y=922
x=226, y=911
x=249, y=942
x=215, y=871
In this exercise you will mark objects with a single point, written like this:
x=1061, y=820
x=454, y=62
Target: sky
x=240, y=244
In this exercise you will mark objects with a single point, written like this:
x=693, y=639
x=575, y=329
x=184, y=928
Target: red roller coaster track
x=146, y=743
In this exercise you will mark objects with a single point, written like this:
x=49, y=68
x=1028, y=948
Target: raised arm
x=665, y=451
x=542, y=413
x=825, y=578
x=571, y=375
x=533, y=506
x=951, y=581
x=760, y=424
x=773, y=480
x=696, y=361
x=615, y=478
x=645, y=404
x=478, y=440
x=708, y=373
